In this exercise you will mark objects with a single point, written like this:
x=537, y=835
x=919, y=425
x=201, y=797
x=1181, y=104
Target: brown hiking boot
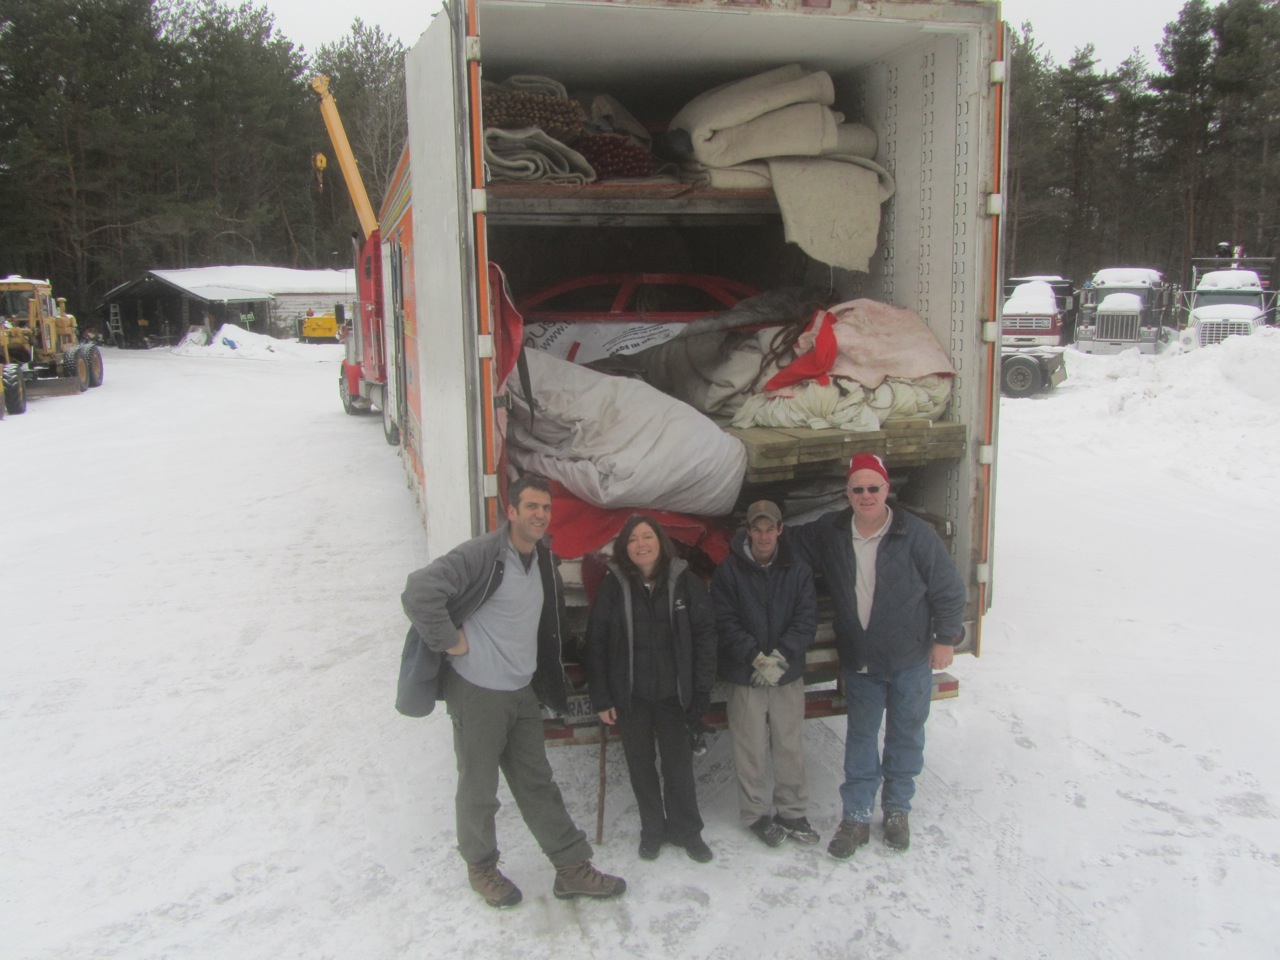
x=584, y=880
x=850, y=835
x=488, y=881
x=897, y=832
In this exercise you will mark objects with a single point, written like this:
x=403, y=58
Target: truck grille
x=1026, y=323
x=1118, y=326
x=1215, y=331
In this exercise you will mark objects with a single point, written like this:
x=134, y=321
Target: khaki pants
x=502, y=730
x=764, y=721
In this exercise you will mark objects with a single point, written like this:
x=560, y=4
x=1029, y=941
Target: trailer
x=926, y=77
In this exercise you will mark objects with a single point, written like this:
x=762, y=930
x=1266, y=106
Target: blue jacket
x=919, y=597
x=761, y=609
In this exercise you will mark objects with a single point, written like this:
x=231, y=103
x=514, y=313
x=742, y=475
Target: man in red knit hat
x=899, y=603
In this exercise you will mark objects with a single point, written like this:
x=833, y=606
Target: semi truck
x=366, y=381
x=1228, y=296
x=1123, y=308
x=1037, y=323
x=460, y=246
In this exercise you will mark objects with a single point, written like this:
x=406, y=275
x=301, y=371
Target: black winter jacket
x=761, y=609
x=609, y=645
x=919, y=597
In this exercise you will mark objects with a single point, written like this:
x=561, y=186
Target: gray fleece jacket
x=439, y=598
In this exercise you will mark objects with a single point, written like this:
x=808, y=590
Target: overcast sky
x=1115, y=27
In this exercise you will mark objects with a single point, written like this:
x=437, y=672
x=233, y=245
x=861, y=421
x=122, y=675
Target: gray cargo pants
x=502, y=730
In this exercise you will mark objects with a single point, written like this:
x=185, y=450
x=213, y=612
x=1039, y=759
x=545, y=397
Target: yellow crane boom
x=346, y=159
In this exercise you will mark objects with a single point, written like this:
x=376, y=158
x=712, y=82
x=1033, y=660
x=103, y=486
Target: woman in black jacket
x=651, y=661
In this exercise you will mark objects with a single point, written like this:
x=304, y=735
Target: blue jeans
x=903, y=700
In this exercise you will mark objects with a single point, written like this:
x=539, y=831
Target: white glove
x=770, y=668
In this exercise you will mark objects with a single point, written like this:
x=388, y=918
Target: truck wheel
x=1020, y=376
x=15, y=389
x=355, y=406
x=93, y=356
x=76, y=367
x=390, y=429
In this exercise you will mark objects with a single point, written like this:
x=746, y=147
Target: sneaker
x=897, y=831
x=649, y=849
x=584, y=880
x=698, y=850
x=850, y=835
x=769, y=831
x=798, y=829
x=488, y=881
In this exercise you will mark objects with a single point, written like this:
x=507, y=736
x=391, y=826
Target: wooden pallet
x=784, y=453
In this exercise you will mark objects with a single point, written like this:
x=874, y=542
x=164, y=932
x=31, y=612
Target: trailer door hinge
x=479, y=201
x=986, y=454
x=999, y=71
x=990, y=332
x=473, y=48
x=484, y=345
x=995, y=204
x=490, y=484
x=982, y=572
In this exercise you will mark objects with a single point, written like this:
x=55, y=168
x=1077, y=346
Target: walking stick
x=604, y=739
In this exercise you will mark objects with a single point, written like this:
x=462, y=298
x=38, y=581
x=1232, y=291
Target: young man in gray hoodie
x=495, y=606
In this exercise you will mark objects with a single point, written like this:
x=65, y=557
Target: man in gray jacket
x=495, y=606
x=899, y=604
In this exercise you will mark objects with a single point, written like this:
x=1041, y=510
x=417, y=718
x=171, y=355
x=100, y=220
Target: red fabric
x=578, y=528
x=867, y=461
x=815, y=364
x=508, y=325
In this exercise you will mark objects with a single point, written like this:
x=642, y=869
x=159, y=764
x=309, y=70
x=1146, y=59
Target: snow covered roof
x=1033, y=299
x=1126, y=277
x=257, y=283
x=244, y=283
x=1229, y=280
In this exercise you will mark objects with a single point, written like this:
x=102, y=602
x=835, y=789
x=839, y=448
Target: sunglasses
x=859, y=491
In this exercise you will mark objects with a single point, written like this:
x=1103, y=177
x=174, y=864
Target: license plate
x=580, y=710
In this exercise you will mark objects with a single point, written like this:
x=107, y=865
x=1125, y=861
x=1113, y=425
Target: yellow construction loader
x=40, y=349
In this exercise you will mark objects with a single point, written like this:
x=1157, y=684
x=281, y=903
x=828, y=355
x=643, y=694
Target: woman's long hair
x=665, y=550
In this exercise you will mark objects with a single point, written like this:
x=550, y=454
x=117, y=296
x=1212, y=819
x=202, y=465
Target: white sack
x=616, y=442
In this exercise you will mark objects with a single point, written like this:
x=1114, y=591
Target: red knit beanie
x=867, y=461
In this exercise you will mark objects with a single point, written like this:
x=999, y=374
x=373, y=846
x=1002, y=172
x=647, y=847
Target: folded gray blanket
x=529, y=155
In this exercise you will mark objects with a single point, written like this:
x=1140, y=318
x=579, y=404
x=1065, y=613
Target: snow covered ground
x=201, y=632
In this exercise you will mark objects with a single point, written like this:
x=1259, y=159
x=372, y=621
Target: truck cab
x=1123, y=308
x=1034, y=328
x=1226, y=303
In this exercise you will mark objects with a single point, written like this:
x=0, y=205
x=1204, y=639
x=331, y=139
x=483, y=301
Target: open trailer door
x=447, y=295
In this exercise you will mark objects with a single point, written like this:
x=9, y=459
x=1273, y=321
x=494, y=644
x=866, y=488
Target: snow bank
x=236, y=343
x=1226, y=396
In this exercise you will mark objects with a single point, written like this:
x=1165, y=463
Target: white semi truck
x=926, y=76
